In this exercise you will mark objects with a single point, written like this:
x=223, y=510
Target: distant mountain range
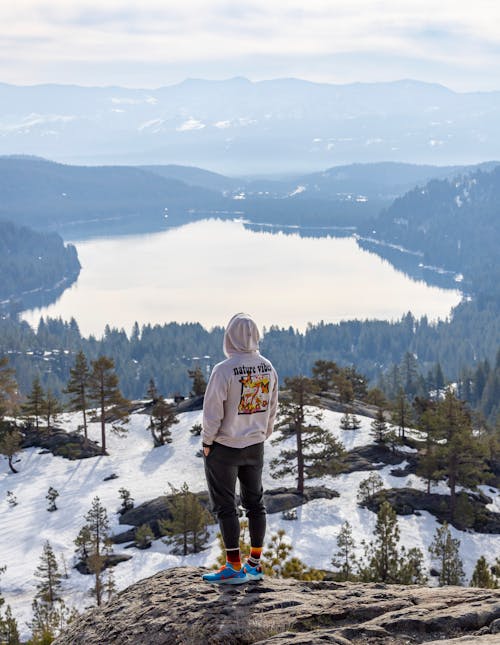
x=242, y=127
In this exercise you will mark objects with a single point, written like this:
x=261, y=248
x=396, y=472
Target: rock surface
x=406, y=501
x=174, y=607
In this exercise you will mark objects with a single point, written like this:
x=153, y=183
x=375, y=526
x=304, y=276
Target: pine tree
x=11, y=499
x=77, y=388
x=104, y=391
x=163, y=417
x=8, y=387
x=428, y=460
x=51, y=497
x=323, y=373
x=379, y=427
x=381, y=555
x=401, y=415
x=50, y=408
x=459, y=453
x=276, y=561
x=344, y=559
x=127, y=500
x=49, y=585
x=94, y=545
x=199, y=384
x=316, y=451
x=187, y=529
x=10, y=444
x=144, y=535
x=196, y=429
x=9, y=632
x=482, y=576
x=152, y=391
x=349, y=421
x=33, y=407
x=446, y=550
x=369, y=487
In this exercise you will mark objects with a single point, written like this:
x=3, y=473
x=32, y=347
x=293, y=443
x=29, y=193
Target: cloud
x=216, y=35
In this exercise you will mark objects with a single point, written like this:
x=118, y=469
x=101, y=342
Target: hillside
x=34, y=267
x=44, y=194
x=452, y=223
x=146, y=472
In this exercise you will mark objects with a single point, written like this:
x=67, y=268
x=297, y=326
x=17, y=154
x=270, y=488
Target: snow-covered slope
x=146, y=472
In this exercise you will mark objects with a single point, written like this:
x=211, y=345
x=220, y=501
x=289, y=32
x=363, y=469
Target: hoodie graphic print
x=242, y=393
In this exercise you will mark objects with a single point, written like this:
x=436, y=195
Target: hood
x=241, y=335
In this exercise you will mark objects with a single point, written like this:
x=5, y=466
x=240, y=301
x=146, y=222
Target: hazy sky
x=149, y=43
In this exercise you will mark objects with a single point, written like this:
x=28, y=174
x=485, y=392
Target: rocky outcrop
x=175, y=608
x=60, y=443
x=375, y=456
x=472, y=506
x=152, y=511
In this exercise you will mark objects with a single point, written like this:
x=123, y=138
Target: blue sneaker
x=253, y=573
x=226, y=575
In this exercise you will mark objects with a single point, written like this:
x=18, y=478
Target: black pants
x=223, y=467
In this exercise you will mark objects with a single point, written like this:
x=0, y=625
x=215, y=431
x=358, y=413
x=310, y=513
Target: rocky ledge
x=175, y=607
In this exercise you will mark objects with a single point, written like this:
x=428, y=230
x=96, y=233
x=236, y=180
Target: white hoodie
x=242, y=394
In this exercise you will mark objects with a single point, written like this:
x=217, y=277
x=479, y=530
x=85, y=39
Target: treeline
x=166, y=352
x=31, y=260
x=454, y=223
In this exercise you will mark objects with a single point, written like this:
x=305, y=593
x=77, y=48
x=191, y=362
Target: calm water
x=206, y=271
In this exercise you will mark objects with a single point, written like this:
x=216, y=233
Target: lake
x=207, y=270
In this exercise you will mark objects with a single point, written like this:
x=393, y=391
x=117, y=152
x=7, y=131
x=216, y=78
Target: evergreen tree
x=187, y=529
x=199, y=384
x=316, y=451
x=428, y=460
x=381, y=555
x=127, y=500
x=144, y=535
x=349, y=421
x=383, y=560
x=152, y=391
x=105, y=393
x=401, y=415
x=459, y=453
x=33, y=407
x=369, y=487
x=9, y=632
x=196, y=429
x=276, y=561
x=10, y=445
x=344, y=559
x=482, y=575
x=77, y=388
x=323, y=373
x=379, y=427
x=51, y=497
x=8, y=387
x=49, y=584
x=446, y=551
x=94, y=545
x=50, y=408
x=163, y=417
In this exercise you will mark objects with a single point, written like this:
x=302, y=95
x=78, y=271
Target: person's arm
x=273, y=406
x=213, y=407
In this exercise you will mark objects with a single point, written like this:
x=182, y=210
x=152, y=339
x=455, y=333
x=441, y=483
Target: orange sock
x=233, y=557
x=254, y=557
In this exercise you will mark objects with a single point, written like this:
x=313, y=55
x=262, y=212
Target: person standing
x=239, y=410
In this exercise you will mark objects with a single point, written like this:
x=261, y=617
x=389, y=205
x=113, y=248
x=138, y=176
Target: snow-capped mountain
x=238, y=126
x=146, y=472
